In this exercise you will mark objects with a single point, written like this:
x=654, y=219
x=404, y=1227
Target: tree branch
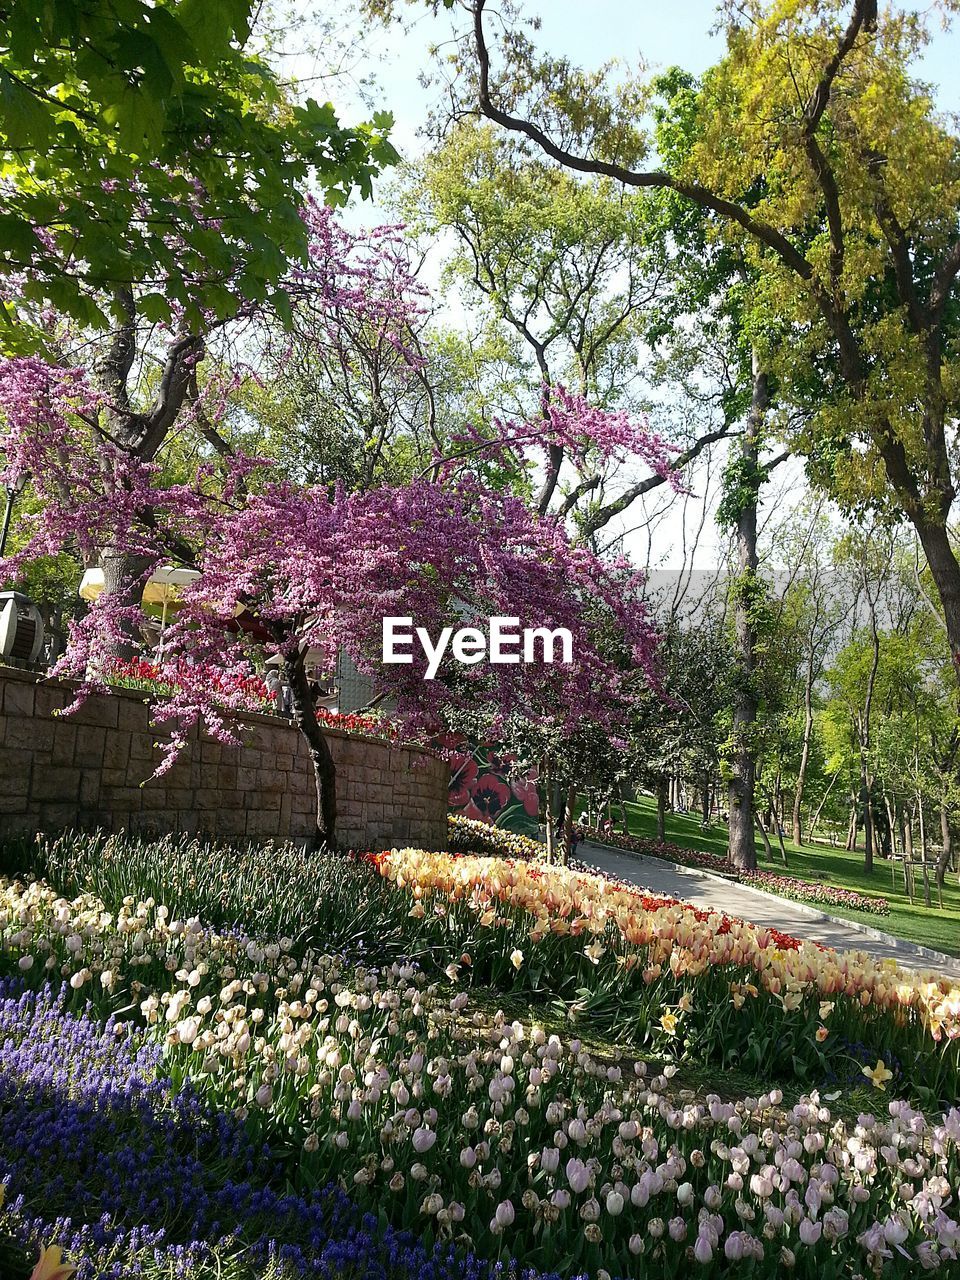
x=603, y=515
x=703, y=196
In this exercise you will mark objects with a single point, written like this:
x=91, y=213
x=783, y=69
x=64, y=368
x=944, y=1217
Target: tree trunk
x=325, y=772
x=945, y=571
x=816, y=816
x=866, y=806
x=571, y=804
x=743, y=848
x=778, y=825
x=923, y=855
x=946, y=854
x=705, y=800
x=622, y=797
x=767, y=847
x=892, y=823
x=852, y=827
x=661, y=808
x=805, y=751
x=548, y=811
x=124, y=578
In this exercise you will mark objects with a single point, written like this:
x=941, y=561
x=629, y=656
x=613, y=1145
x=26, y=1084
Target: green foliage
x=743, y=478
x=267, y=890
x=146, y=145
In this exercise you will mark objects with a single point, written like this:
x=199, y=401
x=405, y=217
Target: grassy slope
x=933, y=928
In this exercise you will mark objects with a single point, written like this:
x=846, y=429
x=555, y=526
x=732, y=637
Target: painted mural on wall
x=483, y=787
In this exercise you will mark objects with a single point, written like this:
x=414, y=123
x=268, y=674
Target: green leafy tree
x=147, y=148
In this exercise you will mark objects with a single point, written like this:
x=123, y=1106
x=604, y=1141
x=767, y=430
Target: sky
x=590, y=32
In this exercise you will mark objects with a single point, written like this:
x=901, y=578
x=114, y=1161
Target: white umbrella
x=162, y=587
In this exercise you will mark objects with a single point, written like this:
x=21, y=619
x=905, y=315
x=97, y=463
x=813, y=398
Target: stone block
x=156, y=798
x=18, y=824
x=64, y=742
x=54, y=817
x=29, y=735
x=246, y=779
x=263, y=823
x=18, y=698
x=116, y=749
x=227, y=777
x=141, y=746
x=211, y=752
x=59, y=783
x=91, y=740
x=89, y=788
x=121, y=799
x=99, y=709
x=15, y=769
x=138, y=773
x=133, y=716
x=269, y=781
x=231, y=822
x=49, y=701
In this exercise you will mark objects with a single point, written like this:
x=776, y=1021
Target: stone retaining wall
x=93, y=769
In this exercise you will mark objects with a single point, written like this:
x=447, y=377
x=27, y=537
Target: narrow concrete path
x=713, y=893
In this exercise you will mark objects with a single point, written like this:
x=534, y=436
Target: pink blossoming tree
x=320, y=566
x=320, y=570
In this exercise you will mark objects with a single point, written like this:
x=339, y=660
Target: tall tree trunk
x=548, y=811
x=945, y=571
x=767, y=847
x=866, y=807
x=805, y=750
x=946, y=854
x=568, y=816
x=893, y=825
x=124, y=579
x=923, y=855
x=816, y=817
x=743, y=765
x=852, y=827
x=662, y=808
x=325, y=771
x=866, y=782
x=622, y=797
x=705, y=799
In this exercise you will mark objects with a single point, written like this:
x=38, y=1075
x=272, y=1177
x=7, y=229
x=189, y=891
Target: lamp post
x=13, y=489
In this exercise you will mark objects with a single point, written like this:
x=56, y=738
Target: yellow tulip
x=879, y=1075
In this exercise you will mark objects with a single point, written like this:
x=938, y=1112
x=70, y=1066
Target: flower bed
x=820, y=895
x=461, y=1126
x=133, y=1176
x=434, y=1113
x=248, y=693
x=754, y=995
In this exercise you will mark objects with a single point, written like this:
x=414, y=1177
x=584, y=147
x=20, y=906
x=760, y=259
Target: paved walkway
x=715, y=894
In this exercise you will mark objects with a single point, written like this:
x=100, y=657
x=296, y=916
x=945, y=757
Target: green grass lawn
x=931, y=928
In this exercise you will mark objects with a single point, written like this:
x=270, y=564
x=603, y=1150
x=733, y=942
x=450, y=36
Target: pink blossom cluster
x=570, y=426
